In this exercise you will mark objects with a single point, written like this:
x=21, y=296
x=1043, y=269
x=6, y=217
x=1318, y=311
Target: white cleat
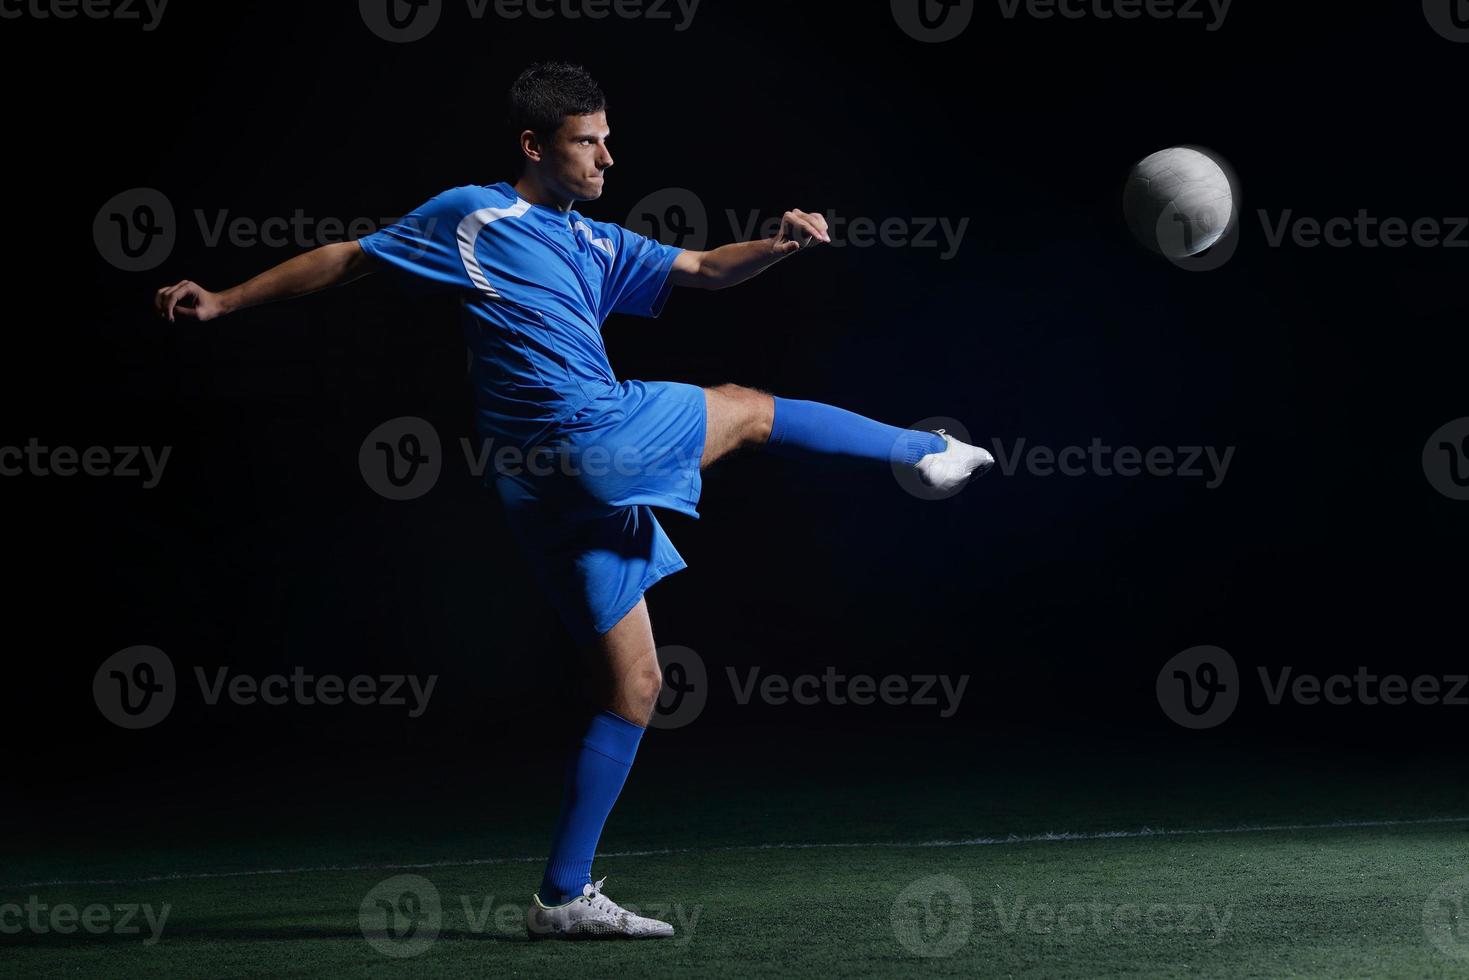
x=952, y=468
x=593, y=916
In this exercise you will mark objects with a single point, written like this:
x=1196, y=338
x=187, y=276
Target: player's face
x=578, y=156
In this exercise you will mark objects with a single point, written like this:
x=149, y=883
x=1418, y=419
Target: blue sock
x=594, y=776
x=803, y=428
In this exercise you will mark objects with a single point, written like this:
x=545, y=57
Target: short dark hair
x=547, y=92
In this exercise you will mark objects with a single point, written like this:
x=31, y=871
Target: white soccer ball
x=1178, y=201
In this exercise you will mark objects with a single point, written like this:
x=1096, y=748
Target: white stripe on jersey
x=605, y=244
x=468, y=233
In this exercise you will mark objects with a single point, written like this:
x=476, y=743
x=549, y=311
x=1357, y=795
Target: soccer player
x=536, y=280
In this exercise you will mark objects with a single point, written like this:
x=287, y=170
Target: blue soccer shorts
x=581, y=502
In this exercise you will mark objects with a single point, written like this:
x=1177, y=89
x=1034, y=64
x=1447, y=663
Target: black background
x=263, y=548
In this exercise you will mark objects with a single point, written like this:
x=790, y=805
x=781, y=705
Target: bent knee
x=751, y=411
x=642, y=688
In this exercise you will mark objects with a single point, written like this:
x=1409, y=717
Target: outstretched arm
x=329, y=265
x=732, y=264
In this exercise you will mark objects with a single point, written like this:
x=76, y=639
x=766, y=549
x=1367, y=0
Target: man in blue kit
x=536, y=282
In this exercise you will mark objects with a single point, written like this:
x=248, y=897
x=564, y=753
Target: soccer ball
x=1178, y=201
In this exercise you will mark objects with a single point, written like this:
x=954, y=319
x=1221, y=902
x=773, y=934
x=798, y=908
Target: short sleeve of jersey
x=426, y=241
x=639, y=282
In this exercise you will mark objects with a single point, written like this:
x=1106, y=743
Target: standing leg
x=623, y=675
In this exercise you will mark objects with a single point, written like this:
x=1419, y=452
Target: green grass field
x=278, y=889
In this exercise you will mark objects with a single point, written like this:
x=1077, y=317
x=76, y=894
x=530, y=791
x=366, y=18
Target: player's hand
x=798, y=230
x=189, y=300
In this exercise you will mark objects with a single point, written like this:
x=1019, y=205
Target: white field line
x=967, y=842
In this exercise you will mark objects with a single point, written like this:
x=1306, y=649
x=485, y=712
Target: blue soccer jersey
x=536, y=286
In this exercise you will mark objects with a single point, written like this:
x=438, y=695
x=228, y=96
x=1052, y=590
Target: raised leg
x=740, y=417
